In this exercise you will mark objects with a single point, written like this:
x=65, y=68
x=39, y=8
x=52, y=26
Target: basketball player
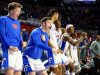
x=67, y=40
x=74, y=54
x=11, y=41
x=38, y=42
x=58, y=58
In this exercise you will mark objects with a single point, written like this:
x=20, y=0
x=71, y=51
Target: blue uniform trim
x=63, y=45
x=5, y=62
x=27, y=67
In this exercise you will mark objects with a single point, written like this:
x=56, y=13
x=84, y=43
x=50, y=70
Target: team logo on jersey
x=15, y=26
x=43, y=38
x=50, y=60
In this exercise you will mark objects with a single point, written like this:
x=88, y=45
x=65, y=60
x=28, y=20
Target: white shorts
x=12, y=60
x=55, y=59
x=32, y=64
x=61, y=58
x=77, y=65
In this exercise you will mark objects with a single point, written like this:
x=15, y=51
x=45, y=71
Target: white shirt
x=53, y=37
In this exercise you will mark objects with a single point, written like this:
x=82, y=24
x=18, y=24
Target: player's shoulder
x=65, y=34
x=35, y=31
x=3, y=17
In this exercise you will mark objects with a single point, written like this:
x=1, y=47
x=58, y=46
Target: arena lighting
x=86, y=0
x=70, y=1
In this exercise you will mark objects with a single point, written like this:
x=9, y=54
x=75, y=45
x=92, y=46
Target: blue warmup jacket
x=36, y=45
x=10, y=33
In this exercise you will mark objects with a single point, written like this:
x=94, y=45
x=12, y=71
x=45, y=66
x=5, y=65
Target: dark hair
x=51, y=12
x=45, y=19
x=57, y=23
x=13, y=5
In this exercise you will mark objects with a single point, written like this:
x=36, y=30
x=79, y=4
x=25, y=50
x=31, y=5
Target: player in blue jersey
x=37, y=43
x=11, y=41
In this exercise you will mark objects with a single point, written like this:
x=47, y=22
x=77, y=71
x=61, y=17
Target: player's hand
x=12, y=48
x=15, y=49
x=24, y=44
x=54, y=50
x=59, y=51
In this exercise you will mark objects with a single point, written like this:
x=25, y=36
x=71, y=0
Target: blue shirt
x=10, y=33
x=37, y=43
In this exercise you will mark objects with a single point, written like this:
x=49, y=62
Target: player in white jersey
x=67, y=40
x=58, y=31
x=74, y=54
x=58, y=58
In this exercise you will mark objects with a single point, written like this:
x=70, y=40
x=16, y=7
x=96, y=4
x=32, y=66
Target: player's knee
x=71, y=66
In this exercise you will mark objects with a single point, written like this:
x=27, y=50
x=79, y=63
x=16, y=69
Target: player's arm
x=3, y=33
x=71, y=41
x=37, y=40
x=51, y=44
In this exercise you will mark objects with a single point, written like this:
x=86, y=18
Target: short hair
x=57, y=23
x=14, y=5
x=45, y=19
x=51, y=12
